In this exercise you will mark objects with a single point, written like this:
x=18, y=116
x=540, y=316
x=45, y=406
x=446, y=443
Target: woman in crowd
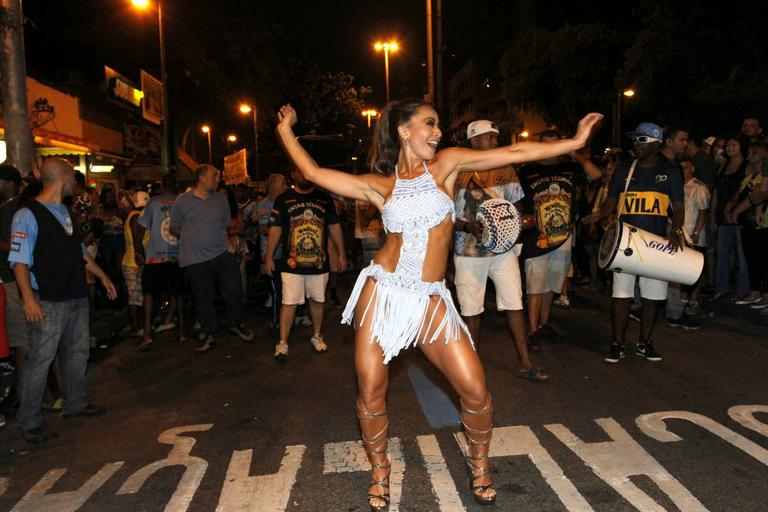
x=727, y=183
x=401, y=298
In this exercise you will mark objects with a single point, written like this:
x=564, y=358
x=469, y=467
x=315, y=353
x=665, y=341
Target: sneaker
x=89, y=410
x=241, y=332
x=208, y=344
x=318, y=343
x=752, y=298
x=716, y=296
x=684, y=322
x=647, y=351
x=562, y=301
x=303, y=321
x=615, y=354
x=7, y=367
x=634, y=316
x=760, y=305
x=34, y=435
x=165, y=327
x=281, y=352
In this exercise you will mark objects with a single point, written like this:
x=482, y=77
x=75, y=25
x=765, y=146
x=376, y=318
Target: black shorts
x=165, y=277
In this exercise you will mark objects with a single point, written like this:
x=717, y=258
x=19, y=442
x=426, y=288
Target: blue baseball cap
x=650, y=130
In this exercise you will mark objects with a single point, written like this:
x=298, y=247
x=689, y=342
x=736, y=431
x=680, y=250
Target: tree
x=563, y=74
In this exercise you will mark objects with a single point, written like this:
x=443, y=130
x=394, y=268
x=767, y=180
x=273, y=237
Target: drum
x=501, y=225
x=626, y=248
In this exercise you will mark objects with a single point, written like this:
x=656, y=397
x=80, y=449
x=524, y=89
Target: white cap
x=476, y=128
x=140, y=199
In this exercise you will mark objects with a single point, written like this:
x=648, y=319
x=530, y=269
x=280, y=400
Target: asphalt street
x=234, y=430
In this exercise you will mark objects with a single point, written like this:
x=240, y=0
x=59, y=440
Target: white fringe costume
x=398, y=306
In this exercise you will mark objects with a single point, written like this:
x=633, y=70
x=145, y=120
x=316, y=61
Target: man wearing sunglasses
x=655, y=184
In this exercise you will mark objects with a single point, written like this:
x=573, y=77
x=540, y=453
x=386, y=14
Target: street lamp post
x=207, y=130
x=231, y=139
x=369, y=114
x=164, y=148
x=628, y=93
x=386, y=47
x=247, y=109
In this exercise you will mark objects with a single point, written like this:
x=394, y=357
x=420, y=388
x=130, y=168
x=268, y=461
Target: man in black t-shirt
x=655, y=185
x=303, y=218
x=548, y=187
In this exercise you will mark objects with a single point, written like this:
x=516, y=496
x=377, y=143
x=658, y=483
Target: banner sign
x=235, y=170
x=152, y=106
x=121, y=90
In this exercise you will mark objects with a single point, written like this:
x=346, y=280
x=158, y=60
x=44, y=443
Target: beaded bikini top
x=415, y=206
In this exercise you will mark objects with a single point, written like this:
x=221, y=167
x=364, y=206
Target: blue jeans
x=728, y=241
x=65, y=331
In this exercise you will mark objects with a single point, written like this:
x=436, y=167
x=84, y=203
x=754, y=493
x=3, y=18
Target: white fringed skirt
x=398, y=311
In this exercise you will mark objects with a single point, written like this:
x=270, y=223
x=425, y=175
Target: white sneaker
x=281, y=351
x=318, y=343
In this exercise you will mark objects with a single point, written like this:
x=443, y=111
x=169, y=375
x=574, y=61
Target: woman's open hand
x=586, y=125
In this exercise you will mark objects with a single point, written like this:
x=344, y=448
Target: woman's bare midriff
x=436, y=259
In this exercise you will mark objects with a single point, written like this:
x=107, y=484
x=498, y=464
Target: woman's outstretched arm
x=453, y=160
x=362, y=186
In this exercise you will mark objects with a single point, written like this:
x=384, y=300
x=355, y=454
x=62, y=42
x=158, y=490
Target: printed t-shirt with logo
x=549, y=196
x=472, y=188
x=156, y=217
x=304, y=219
x=652, y=190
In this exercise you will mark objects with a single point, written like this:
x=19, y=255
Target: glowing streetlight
x=232, y=138
x=207, y=131
x=164, y=150
x=369, y=114
x=627, y=93
x=524, y=134
x=246, y=109
x=386, y=47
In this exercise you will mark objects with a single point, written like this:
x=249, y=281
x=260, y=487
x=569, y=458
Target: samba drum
x=501, y=224
x=626, y=248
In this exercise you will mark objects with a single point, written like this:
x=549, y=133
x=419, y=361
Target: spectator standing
x=49, y=264
x=161, y=274
x=16, y=326
x=474, y=265
x=276, y=185
x=700, y=153
x=727, y=185
x=112, y=239
x=303, y=218
x=249, y=215
x=697, y=197
x=132, y=266
x=199, y=219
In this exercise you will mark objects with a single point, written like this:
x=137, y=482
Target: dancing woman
x=401, y=299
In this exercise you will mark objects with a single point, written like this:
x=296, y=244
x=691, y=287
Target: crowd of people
x=156, y=251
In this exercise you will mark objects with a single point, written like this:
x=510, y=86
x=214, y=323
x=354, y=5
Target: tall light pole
x=231, y=139
x=628, y=93
x=247, y=109
x=369, y=114
x=386, y=47
x=207, y=130
x=164, y=144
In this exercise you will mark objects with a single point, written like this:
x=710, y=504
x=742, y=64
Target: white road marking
x=520, y=440
x=653, y=426
x=350, y=456
x=37, y=498
x=616, y=460
x=442, y=482
x=745, y=414
x=178, y=456
x=244, y=493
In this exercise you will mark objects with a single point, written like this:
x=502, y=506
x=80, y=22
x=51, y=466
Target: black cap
x=10, y=173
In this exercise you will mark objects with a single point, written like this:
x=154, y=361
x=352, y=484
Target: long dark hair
x=386, y=140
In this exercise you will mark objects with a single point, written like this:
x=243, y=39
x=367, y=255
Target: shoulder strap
x=626, y=185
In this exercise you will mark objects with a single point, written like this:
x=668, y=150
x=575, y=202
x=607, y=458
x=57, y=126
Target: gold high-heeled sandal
x=373, y=451
x=477, y=465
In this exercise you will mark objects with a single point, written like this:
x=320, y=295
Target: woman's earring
x=405, y=141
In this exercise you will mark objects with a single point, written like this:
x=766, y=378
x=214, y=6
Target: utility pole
x=430, y=63
x=18, y=135
x=439, y=28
